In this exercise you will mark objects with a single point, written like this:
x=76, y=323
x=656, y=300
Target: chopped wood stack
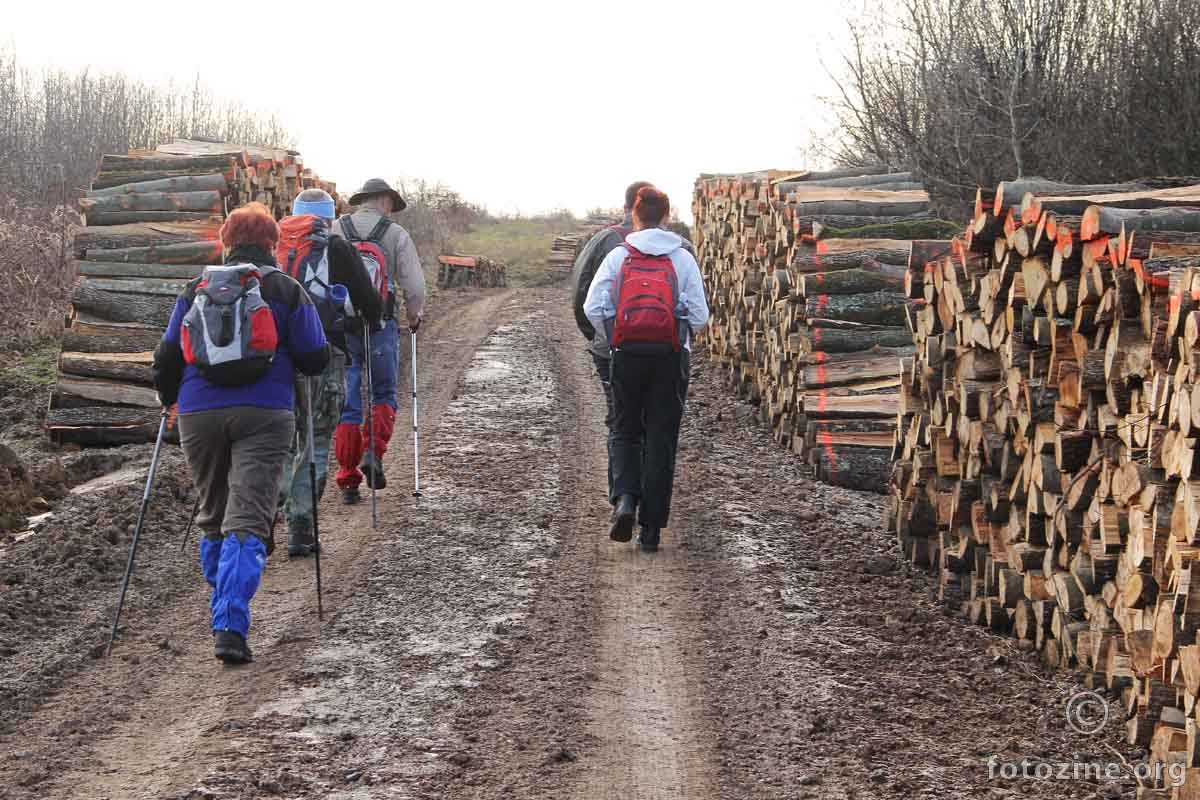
x=806, y=274
x=1046, y=456
x=152, y=222
x=563, y=251
x=478, y=271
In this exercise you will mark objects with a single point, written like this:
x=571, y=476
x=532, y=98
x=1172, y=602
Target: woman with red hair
x=649, y=297
x=226, y=361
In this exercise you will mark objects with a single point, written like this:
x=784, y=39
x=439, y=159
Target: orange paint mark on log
x=820, y=373
x=818, y=335
x=822, y=303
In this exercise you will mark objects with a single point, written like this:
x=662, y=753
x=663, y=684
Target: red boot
x=348, y=447
x=384, y=418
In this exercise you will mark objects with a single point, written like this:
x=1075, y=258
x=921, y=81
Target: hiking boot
x=351, y=497
x=648, y=539
x=623, y=517
x=301, y=541
x=231, y=647
x=372, y=471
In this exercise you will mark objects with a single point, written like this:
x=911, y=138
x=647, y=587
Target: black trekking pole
x=137, y=531
x=416, y=434
x=312, y=478
x=369, y=410
x=187, y=532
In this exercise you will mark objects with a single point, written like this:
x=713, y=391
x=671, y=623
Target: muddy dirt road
x=489, y=641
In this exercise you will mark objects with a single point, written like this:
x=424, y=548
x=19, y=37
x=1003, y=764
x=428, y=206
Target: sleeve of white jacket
x=693, y=293
x=606, y=278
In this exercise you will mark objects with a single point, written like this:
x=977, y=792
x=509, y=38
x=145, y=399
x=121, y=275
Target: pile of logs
x=805, y=273
x=1046, y=456
x=563, y=251
x=152, y=219
x=478, y=271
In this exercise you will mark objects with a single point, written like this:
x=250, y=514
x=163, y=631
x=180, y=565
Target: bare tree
x=969, y=92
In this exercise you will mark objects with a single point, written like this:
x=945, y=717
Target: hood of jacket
x=655, y=241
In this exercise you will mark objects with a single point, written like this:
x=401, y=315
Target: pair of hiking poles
x=312, y=475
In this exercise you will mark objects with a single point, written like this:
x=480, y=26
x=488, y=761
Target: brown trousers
x=236, y=456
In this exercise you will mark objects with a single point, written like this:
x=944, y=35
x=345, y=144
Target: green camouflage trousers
x=329, y=389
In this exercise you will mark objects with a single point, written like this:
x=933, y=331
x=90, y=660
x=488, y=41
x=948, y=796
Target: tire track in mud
x=140, y=722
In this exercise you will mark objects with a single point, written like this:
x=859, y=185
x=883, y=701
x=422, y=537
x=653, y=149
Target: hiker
x=320, y=261
x=391, y=258
x=582, y=273
x=225, y=362
x=648, y=298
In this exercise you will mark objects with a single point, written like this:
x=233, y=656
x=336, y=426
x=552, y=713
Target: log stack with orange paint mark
x=806, y=273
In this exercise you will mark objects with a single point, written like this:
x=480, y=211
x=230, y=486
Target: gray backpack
x=229, y=333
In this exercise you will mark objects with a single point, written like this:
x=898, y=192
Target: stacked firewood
x=152, y=222
x=478, y=271
x=1046, y=455
x=805, y=273
x=563, y=251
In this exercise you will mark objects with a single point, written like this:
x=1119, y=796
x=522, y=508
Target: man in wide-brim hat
x=387, y=248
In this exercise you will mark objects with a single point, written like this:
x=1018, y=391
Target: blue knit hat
x=316, y=202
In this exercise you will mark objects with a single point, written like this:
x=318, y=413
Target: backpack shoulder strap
x=348, y=229
x=377, y=233
x=633, y=251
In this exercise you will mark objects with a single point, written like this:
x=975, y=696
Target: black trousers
x=649, y=393
x=604, y=372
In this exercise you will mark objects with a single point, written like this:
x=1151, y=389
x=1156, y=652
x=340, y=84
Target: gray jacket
x=584, y=270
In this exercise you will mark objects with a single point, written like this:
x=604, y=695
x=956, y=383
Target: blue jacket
x=302, y=346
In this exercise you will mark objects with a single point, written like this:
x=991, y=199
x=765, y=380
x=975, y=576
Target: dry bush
x=35, y=278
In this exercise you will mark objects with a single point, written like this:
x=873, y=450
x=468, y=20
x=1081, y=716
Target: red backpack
x=371, y=250
x=647, y=318
x=303, y=253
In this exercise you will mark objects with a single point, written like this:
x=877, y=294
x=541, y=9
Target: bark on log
x=1103, y=220
x=1010, y=193
x=146, y=309
x=850, y=281
x=126, y=217
x=119, y=340
x=863, y=468
x=815, y=261
x=141, y=235
x=823, y=375
x=118, y=269
x=887, y=178
x=128, y=163
x=832, y=340
x=189, y=183
x=125, y=367
x=825, y=405
x=877, y=308
x=203, y=252
x=206, y=201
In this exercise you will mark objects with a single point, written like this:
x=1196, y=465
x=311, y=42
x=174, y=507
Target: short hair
x=631, y=193
x=251, y=225
x=651, y=207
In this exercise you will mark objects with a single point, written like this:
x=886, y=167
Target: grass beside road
x=522, y=243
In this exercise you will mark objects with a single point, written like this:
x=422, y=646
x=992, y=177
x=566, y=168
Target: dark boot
x=351, y=497
x=623, y=517
x=231, y=647
x=372, y=470
x=300, y=539
x=648, y=539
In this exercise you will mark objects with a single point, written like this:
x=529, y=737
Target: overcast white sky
x=521, y=106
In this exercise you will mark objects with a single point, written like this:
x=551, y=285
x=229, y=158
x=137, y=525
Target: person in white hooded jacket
x=649, y=385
